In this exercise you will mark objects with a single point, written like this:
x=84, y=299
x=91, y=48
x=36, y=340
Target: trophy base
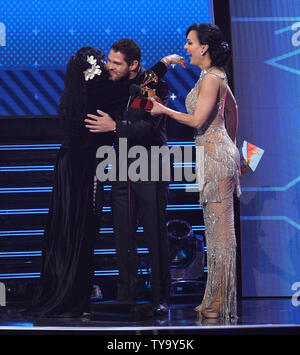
x=144, y=103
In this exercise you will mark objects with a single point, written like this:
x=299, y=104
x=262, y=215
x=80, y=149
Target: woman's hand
x=174, y=59
x=157, y=108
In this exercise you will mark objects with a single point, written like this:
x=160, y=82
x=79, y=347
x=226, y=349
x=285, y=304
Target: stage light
x=187, y=258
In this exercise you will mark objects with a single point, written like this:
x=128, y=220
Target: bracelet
x=165, y=61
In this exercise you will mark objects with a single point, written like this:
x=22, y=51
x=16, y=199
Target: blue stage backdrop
x=38, y=37
x=266, y=42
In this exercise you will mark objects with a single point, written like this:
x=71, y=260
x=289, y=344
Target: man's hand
x=101, y=123
x=174, y=59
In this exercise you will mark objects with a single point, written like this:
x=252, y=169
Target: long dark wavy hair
x=219, y=50
x=73, y=104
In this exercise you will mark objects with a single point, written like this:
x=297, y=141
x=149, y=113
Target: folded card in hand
x=250, y=157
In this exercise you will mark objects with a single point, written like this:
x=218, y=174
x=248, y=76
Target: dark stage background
x=266, y=40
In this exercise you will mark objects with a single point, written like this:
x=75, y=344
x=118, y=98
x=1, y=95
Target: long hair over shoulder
x=73, y=102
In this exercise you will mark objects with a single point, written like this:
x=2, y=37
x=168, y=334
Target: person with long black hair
x=66, y=273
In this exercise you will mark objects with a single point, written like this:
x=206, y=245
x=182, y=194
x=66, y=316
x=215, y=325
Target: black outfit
x=73, y=221
x=68, y=245
x=66, y=275
x=148, y=197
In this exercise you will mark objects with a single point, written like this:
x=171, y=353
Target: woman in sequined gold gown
x=218, y=173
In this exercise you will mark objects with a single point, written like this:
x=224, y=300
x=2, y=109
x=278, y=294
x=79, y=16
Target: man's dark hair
x=129, y=48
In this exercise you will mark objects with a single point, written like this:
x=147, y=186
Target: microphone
x=134, y=90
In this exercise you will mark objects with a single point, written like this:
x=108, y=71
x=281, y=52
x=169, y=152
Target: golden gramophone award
x=145, y=91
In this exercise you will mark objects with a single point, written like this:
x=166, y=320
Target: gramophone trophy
x=143, y=101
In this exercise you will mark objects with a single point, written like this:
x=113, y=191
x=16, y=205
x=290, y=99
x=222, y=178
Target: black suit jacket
x=138, y=126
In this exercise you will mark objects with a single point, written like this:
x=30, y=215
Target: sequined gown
x=218, y=176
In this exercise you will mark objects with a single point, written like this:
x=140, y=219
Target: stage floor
x=256, y=316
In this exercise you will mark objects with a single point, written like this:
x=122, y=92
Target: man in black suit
x=139, y=128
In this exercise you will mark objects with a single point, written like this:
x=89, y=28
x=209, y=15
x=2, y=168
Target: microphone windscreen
x=134, y=89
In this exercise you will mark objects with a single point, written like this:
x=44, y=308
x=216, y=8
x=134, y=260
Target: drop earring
x=202, y=52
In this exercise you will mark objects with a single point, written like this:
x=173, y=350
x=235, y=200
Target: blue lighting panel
x=266, y=42
x=38, y=37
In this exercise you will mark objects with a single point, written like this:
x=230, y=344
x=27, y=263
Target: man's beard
x=122, y=78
